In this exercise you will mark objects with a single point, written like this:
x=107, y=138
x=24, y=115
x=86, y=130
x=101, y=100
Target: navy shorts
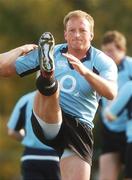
x=113, y=142
x=40, y=164
x=128, y=161
x=73, y=134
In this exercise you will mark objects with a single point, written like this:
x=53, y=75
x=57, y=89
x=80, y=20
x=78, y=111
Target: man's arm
x=102, y=86
x=17, y=120
x=7, y=59
x=17, y=135
x=120, y=103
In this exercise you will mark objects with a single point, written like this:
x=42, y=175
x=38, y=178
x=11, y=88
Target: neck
x=80, y=54
x=118, y=61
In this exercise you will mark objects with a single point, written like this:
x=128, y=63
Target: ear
x=92, y=36
x=65, y=35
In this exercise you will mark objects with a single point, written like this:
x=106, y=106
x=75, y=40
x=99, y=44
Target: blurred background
x=23, y=22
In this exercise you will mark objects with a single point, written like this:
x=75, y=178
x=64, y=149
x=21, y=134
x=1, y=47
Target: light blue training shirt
x=122, y=103
x=77, y=97
x=124, y=75
x=21, y=118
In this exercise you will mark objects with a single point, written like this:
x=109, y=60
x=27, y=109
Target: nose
x=77, y=33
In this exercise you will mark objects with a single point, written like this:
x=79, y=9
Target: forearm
x=122, y=101
x=7, y=62
x=102, y=86
x=8, y=59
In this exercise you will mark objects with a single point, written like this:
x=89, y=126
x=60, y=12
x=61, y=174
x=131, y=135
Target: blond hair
x=80, y=14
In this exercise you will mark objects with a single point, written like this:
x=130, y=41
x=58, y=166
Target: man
x=113, y=133
x=69, y=90
x=122, y=103
x=38, y=159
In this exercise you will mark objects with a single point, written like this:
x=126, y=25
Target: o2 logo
x=68, y=83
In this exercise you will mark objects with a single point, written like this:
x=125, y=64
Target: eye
x=83, y=30
x=71, y=30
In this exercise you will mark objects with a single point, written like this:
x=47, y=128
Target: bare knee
x=109, y=166
x=74, y=168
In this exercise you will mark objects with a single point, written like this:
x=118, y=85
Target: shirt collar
x=121, y=65
x=88, y=53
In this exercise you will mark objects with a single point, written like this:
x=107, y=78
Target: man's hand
x=27, y=48
x=109, y=115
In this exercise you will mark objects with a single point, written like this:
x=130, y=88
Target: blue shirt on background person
x=124, y=75
x=37, y=158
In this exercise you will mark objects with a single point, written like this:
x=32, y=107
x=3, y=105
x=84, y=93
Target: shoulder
x=128, y=65
x=128, y=59
x=101, y=60
x=60, y=47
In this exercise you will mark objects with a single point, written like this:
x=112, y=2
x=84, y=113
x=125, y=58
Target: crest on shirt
x=61, y=64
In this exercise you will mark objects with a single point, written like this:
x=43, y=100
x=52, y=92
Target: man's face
x=114, y=52
x=78, y=34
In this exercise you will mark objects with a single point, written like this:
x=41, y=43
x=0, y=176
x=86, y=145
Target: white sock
x=50, y=130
